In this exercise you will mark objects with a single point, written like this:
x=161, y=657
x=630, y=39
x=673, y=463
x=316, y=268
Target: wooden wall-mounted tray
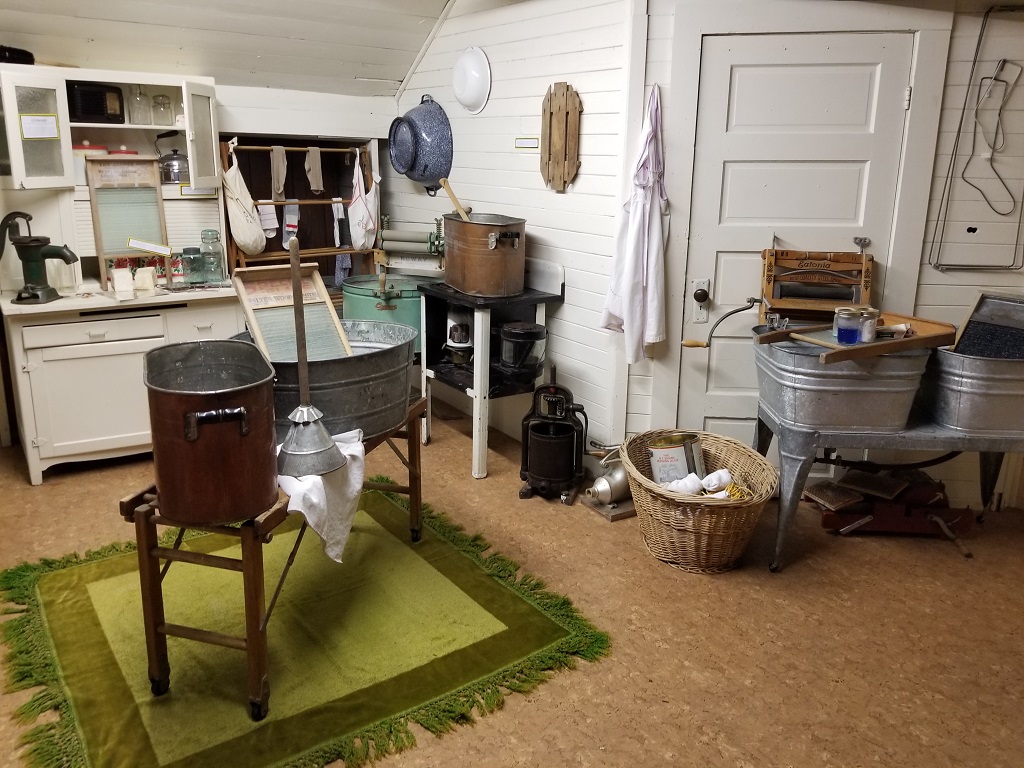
x=924, y=334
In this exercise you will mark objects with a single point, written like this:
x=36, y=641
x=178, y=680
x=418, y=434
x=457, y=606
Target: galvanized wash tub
x=399, y=302
x=870, y=395
x=974, y=394
x=368, y=391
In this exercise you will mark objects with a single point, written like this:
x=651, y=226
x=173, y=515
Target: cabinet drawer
x=92, y=332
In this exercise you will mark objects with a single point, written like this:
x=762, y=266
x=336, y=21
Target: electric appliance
x=553, y=440
x=522, y=350
x=94, y=102
x=33, y=250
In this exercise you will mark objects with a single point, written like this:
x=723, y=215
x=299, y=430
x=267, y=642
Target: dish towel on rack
x=314, y=172
x=364, y=208
x=329, y=502
x=635, y=303
x=278, y=172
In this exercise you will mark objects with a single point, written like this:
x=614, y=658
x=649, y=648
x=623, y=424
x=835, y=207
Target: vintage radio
x=95, y=102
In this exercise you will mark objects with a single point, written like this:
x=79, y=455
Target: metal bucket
x=874, y=394
x=974, y=394
x=211, y=410
x=676, y=456
x=485, y=256
x=368, y=391
x=399, y=302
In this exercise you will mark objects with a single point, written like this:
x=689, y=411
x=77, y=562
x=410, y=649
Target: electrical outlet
x=700, y=309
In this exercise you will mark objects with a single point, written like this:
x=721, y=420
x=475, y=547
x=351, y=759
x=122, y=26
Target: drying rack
x=238, y=258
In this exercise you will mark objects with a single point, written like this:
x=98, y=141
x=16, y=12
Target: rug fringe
x=30, y=662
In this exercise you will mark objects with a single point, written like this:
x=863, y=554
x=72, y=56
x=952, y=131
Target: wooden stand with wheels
x=142, y=509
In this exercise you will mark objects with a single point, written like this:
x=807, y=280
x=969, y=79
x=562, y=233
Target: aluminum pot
x=211, y=411
x=485, y=256
x=420, y=144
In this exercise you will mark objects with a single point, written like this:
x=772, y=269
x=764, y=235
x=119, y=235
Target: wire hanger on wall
x=994, y=89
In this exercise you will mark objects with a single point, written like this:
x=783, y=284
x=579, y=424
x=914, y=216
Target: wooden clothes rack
x=238, y=258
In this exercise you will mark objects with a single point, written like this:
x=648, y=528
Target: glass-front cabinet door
x=201, y=135
x=36, y=151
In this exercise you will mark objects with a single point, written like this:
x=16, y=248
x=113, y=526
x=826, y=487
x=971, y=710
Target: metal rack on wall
x=316, y=232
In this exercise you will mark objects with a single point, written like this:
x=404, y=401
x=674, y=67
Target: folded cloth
x=690, y=485
x=329, y=502
x=278, y=171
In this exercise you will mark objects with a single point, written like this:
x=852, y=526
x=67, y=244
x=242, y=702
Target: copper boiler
x=485, y=256
x=211, y=411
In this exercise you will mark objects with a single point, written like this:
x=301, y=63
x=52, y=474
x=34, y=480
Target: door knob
x=701, y=295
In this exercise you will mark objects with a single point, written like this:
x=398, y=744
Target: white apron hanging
x=363, y=211
x=635, y=304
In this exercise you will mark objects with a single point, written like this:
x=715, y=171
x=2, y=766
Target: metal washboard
x=266, y=297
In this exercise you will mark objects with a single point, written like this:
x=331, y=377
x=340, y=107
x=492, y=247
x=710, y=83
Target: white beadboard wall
x=530, y=46
x=658, y=69
x=946, y=295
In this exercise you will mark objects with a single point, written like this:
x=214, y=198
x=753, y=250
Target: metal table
x=798, y=448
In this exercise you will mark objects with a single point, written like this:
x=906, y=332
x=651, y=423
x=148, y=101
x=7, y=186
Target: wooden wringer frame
x=807, y=286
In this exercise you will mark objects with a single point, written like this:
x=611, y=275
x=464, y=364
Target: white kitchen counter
x=77, y=366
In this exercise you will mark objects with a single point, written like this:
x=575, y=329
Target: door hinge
x=39, y=442
x=28, y=367
x=906, y=96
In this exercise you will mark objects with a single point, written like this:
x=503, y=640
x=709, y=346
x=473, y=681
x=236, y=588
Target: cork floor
x=864, y=651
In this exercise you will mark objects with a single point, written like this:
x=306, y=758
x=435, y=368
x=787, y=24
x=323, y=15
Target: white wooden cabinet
x=77, y=368
x=40, y=132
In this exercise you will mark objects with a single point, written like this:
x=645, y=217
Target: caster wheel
x=526, y=492
x=258, y=710
x=415, y=534
x=774, y=567
x=159, y=687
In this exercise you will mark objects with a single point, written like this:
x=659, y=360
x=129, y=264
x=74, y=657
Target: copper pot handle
x=194, y=419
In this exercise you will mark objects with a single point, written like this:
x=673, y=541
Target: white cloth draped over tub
x=635, y=304
x=329, y=503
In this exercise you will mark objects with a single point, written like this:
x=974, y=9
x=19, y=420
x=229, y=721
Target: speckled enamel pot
x=420, y=144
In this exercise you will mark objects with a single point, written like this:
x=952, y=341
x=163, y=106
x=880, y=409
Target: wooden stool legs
x=255, y=622
x=152, y=604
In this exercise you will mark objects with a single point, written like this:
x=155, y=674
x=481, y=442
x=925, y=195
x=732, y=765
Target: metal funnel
x=308, y=448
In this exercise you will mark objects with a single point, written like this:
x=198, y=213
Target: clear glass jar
x=192, y=266
x=162, y=114
x=847, y=325
x=140, y=111
x=868, y=324
x=213, y=256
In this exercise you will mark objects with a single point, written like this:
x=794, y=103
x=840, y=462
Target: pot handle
x=194, y=419
x=494, y=237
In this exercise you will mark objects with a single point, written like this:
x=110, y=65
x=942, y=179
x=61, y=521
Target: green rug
x=431, y=633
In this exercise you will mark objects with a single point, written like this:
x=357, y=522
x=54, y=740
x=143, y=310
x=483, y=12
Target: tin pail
x=675, y=456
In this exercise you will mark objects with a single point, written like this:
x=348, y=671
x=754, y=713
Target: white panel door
x=798, y=146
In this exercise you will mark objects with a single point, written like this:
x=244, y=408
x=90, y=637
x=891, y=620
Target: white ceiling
x=350, y=47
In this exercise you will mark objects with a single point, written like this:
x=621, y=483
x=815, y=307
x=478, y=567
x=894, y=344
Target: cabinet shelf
x=135, y=126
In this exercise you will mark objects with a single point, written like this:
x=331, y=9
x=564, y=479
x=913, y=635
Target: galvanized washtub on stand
x=368, y=391
x=872, y=394
x=977, y=395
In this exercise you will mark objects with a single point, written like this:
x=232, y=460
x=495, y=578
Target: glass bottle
x=213, y=256
x=139, y=107
x=192, y=266
x=162, y=114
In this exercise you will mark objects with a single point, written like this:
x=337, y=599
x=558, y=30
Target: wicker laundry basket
x=699, y=534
